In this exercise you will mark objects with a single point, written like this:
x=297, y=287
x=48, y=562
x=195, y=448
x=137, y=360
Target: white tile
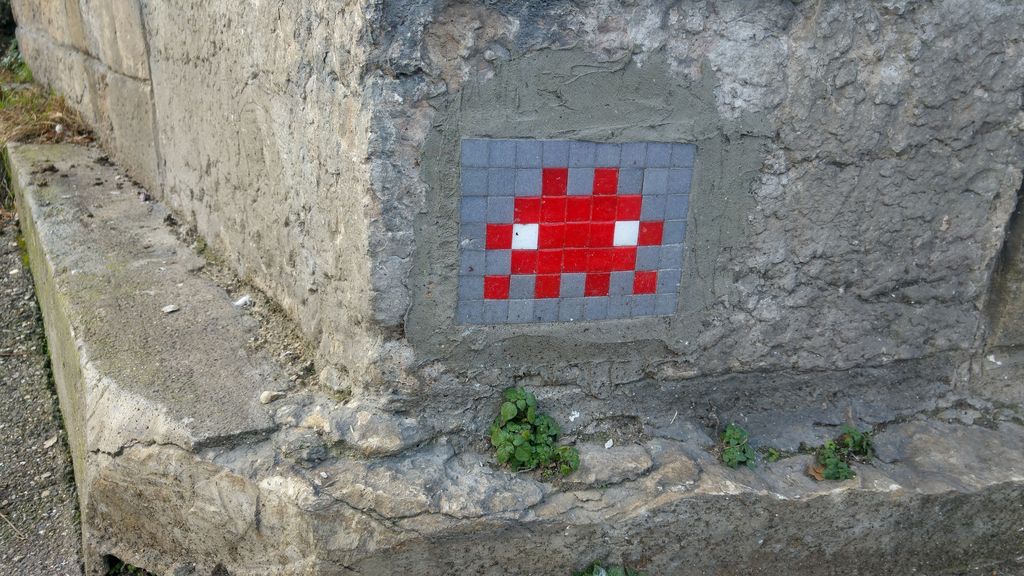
x=524, y=236
x=626, y=233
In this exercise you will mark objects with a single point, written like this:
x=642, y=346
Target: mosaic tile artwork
x=566, y=231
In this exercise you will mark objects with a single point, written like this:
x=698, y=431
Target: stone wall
x=857, y=168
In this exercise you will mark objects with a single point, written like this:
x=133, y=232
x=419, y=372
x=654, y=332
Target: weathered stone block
x=116, y=35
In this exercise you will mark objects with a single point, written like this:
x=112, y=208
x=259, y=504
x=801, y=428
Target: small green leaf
x=508, y=411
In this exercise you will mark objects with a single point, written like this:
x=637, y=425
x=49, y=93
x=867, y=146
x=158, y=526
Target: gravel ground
x=39, y=530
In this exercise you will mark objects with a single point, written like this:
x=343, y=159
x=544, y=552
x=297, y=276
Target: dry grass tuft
x=30, y=113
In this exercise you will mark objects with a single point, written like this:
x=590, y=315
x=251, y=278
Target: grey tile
x=674, y=232
x=642, y=305
x=679, y=180
x=474, y=182
x=581, y=154
x=652, y=207
x=607, y=155
x=621, y=283
x=499, y=262
x=521, y=286
x=648, y=257
x=659, y=155
x=555, y=154
x=473, y=209
x=528, y=182
x=634, y=155
x=470, y=312
x=501, y=181
x=595, y=308
x=631, y=180
x=471, y=288
x=671, y=257
x=495, y=311
x=500, y=209
x=683, y=155
x=655, y=181
x=675, y=208
x=501, y=153
x=665, y=304
x=473, y=236
x=618, y=306
x=520, y=311
x=528, y=153
x=545, y=310
x=473, y=263
x=570, y=309
x=668, y=281
x=581, y=181
x=474, y=152
x=573, y=285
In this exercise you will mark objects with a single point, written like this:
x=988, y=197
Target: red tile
x=552, y=209
x=605, y=208
x=602, y=234
x=547, y=286
x=551, y=236
x=645, y=282
x=577, y=234
x=499, y=236
x=629, y=208
x=606, y=181
x=496, y=287
x=575, y=260
x=623, y=258
x=577, y=209
x=650, y=233
x=549, y=261
x=524, y=261
x=555, y=181
x=527, y=210
x=597, y=285
x=599, y=260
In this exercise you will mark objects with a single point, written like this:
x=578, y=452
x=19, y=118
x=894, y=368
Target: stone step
x=183, y=470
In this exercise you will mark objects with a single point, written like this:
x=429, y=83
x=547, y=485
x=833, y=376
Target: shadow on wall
x=6, y=25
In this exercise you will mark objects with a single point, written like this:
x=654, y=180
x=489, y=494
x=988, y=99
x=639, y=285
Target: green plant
x=736, y=447
x=596, y=569
x=773, y=455
x=832, y=459
x=525, y=439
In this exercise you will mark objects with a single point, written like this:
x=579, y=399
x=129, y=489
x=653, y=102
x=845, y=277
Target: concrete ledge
x=183, y=471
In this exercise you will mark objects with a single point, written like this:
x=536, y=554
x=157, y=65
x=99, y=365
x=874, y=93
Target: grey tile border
x=683, y=155
x=528, y=153
x=642, y=305
x=499, y=262
x=545, y=310
x=581, y=181
x=607, y=155
x=673, y=232
x=472, y=263
x=652, y=207
x=671, y=256
x=528, y=182
x=659, y=155
x=474, y=182
x=474, y=152
x=679, y=180
x=668, y=281
x=470, y=312
x=665, y=304
x=473, y=236
x=501, y=181
x=500, y=209
x=521, y=286
x=502, y=153
x=655, y=181
x=618, y=307
x=595, y=308
x=555, y=153
x=570, y=309
x=621, y=283
x=648, y=257
x=495, y=312
x=675, y=208
x=473, y=209
x=471, y=288
x=634, y=154
x=631, y=180
x=520, y=311
x=582, y=154
x=573, y=284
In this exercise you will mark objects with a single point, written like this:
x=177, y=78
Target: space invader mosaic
x=567, y=231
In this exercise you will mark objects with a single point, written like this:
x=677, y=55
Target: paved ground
x=39, y=532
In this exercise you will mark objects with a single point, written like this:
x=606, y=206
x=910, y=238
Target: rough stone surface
x=232, y=485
